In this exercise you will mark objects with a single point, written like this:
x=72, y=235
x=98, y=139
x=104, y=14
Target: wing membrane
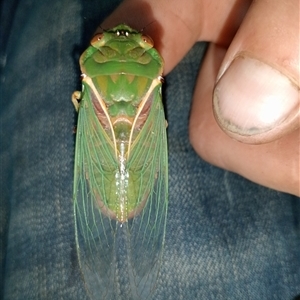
x=120, y=260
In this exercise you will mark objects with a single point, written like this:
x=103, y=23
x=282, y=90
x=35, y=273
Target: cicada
x=121, y=173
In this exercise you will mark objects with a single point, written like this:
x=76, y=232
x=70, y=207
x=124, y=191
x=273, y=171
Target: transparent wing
x=94, y=164
x=120, y=260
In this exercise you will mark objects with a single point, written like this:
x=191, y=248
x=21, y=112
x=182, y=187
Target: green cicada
x=121, y=175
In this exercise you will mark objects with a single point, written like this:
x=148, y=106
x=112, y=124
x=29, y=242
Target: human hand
x=249, y=81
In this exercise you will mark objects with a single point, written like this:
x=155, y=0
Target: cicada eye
x=147, y=40
x=97, y=40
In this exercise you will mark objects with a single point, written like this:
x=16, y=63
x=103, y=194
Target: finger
x=176, y=25
x=275, y=165
x=256, y=98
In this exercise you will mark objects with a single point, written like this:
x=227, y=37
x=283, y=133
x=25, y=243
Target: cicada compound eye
x=147, y=40
x=97, y=40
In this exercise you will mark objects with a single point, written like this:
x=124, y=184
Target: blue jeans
x=227, y=238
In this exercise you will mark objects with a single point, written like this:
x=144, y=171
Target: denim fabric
x=227, y=238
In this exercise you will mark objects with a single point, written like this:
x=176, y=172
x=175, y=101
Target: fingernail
x=253, y=99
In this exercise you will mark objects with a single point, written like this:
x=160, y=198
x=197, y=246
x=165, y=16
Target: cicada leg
x=76, y=97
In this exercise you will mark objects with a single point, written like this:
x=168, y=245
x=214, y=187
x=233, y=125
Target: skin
x=261, y=30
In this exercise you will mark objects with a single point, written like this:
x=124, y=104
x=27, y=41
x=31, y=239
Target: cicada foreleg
x=76, y=97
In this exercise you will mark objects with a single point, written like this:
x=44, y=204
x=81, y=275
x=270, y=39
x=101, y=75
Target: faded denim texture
x=227, y=238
